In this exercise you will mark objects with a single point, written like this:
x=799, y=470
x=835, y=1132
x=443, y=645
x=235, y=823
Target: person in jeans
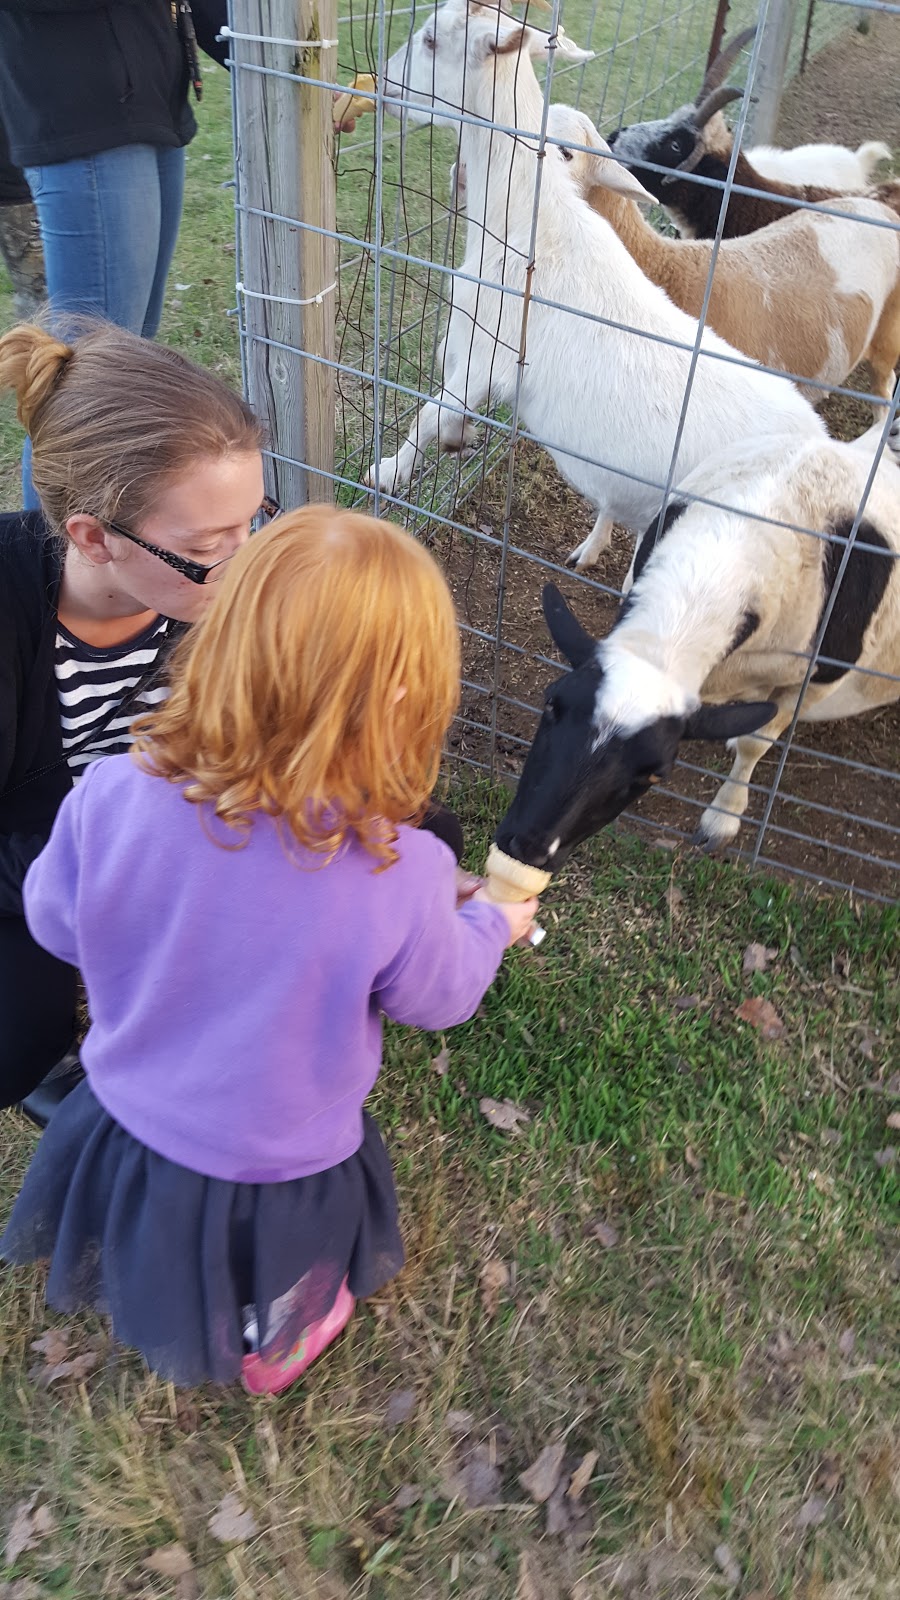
x=20, y=236
x=96, y=103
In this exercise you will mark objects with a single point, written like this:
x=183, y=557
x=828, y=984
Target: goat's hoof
x=384, y=476
x=582, y=556
x=715, y=832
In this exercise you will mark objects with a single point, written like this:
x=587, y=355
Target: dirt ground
x=848, y=93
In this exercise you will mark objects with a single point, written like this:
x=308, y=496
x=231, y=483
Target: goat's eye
x=566, y=154
x=428, y=41
x=675, y=146
x=551, y=708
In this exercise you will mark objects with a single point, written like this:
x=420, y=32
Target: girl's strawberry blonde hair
x=319, y=686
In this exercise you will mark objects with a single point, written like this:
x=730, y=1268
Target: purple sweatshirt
x=236, y=995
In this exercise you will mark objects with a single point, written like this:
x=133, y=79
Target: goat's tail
x=869, y=155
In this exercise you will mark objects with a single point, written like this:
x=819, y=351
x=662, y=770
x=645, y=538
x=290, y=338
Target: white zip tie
x=266, y=38
x=286, y=300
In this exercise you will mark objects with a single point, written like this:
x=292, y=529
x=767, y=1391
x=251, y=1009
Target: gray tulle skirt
x=175, y=1258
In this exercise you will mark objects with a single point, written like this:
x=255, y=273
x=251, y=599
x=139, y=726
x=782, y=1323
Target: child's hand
x=466, y=884
x=520, y=916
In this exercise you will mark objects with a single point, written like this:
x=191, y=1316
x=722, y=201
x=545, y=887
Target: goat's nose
x=525, y=850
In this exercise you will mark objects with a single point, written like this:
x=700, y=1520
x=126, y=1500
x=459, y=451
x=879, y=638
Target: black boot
x=41, y=1103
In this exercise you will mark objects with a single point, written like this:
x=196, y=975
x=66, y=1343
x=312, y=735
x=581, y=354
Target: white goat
x=714, y=639
x=812, y=294
x=830, y=164
x=589, y=388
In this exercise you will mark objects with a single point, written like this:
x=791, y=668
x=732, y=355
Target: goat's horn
x=718, y=70
x=714, y=102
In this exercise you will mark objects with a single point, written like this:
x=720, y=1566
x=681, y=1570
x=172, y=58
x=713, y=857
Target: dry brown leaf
x=674, y=900
x=503, y=1114
x=529, y=1586
x=757, y=958
x=169, y=1561
x=847, y=1343
x=543, y=1475
x=30, y=1523
x=568, y=1517
x=761, y=1014
x=581, y=1477
x=603, y=1232
x=494, y=1279
x=812, y=1512
x=78, y=1367
x=728, y=1566
x=409, y=1494
x=477, y=1482
x=831, y=1136
x=692, y=1158
x=400, y=1407
x=686, y=1002
x=441, y=1061
x=459, y=1422
x=53, y=1345
x=893, y=1120
x=231, y=1523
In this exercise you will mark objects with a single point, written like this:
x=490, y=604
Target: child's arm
x=443, y=969
x=50, y=890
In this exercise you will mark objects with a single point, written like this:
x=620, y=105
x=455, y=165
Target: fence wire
x=825, y=802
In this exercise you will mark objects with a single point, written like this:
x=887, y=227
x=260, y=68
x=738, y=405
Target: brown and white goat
x=694, y=140
x=812, y=294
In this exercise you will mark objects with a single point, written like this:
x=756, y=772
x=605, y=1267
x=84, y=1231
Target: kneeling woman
x=149, y=474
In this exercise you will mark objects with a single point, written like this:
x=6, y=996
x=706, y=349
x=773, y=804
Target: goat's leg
x=436, y=420
x=586, y=553
x=884, y=351
x=720, y=822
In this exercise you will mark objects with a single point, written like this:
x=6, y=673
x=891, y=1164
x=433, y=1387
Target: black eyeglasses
x=194, y=571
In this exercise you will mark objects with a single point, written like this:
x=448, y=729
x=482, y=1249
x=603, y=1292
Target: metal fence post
x=285, y=178
x=772, y=65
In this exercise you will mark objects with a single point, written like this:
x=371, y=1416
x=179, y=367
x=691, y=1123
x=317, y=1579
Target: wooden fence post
x=283, y=155
x=768, y=84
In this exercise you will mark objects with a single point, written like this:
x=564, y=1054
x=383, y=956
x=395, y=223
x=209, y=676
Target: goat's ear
x=612, y=175
x=729, y=721
x=539, y=45
x=566, y=631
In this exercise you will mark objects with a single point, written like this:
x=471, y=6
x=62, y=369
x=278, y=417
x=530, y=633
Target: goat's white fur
x=829, y=165
x=812, y=294
x=588, y=390
x=713, y=567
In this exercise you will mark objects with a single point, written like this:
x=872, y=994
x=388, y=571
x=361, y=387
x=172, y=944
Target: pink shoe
x=262, y=1376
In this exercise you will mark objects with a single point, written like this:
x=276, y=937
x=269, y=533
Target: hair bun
x=32, y=362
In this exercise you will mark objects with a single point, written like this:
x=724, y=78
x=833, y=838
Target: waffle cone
x=350, y=104
x=510, y=881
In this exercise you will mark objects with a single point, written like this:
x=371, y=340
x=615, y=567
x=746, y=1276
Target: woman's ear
x=89, y=538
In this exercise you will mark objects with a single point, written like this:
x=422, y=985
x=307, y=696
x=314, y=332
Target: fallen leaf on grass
x=886, y=1157
x=58, y=1359
x=581, y=1477
x=686, y=1002
x=170, y=1561
x=529, y=1586
x=503, y=1114
x=22, y=1589
x=831, y=1136
x=52, y=1345
x=30, y=1523
x=757, y=958
x=812, y=1512
x=543, y=1475
x=459, y=1422
x=441, y=1061
x=409, y=1494
x=231, y=1523
x=400, y=1407
x=847, y=1343
x=893, y=1120
x=568, y=1517
x=727, y=1565
x=761, y=1014
x=674, y=900
x=476, y=1482
x=494, y=1279
x=603, y=1232
x=692, y=1158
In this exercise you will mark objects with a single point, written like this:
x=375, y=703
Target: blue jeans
x=109, y=224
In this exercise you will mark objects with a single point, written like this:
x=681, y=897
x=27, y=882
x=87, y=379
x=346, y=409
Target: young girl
x=245, y=896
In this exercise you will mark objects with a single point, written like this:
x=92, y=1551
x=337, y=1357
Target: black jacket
x=34, y=773
x=81, y=76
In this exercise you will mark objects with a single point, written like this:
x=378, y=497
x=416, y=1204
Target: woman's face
x=204, y=515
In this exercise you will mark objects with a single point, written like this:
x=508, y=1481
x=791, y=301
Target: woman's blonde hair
x=114, y=418
x=319, y=686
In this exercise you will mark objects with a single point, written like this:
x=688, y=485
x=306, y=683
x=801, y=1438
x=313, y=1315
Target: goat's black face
x=665, y=143
x=584, y=767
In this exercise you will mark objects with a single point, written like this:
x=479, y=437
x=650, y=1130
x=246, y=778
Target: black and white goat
x=714, y=639
x=590, y=386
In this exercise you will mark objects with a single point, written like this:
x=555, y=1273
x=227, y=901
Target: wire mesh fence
x=420, y=239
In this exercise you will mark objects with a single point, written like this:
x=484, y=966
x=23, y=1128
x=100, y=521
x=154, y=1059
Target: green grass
x=731, y=1358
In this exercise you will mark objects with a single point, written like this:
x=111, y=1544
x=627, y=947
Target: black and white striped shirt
x=92, y=682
